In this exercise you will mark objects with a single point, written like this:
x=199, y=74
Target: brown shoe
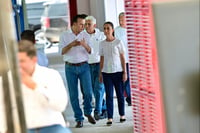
x=91, y=119
x=79, y=124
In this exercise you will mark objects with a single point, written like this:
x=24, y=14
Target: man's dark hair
x=75, y=18
x=84, y=15
x=28, y=35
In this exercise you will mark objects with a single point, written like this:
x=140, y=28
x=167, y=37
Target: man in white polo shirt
x=75, y=48
x=96, y=36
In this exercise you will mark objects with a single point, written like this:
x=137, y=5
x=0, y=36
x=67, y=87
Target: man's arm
x=68, y=47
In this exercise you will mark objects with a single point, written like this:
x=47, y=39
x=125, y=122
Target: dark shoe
x=91, y=119
x=109, y=123
x=96, y=116
x=104, y=114
x=93, y=104
x=79, y=124
x=99, y=116
x=122, y=120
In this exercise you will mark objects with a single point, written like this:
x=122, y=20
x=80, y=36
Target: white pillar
x=112, y=10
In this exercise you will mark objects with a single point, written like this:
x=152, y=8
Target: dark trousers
x=111, y=81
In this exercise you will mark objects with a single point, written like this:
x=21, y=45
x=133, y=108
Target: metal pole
x=17, y=87
x=24, y=12
x=8, y=64
x=6, y=88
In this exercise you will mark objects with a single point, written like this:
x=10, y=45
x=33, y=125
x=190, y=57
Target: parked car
x=34, y=10
x=54, y=20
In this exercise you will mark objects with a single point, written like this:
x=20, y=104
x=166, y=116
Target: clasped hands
x=80, y=43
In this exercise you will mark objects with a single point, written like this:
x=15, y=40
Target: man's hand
x=76, y=43
x=100, y=78
x=27, y=79
x=68, y=47
x=124, y=76
x=85, y=45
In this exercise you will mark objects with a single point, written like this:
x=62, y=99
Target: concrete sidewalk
x=101, y=127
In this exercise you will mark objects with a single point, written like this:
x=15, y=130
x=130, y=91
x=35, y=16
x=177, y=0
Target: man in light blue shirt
x=42, y=59
x=120, y=33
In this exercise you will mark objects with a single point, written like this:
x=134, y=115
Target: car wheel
x=41, y=39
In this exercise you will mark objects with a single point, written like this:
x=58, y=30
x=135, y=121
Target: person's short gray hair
x=122, y=14
x=93, y=19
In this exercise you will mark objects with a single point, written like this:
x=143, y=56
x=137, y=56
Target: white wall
x=112, y=10
x=97, y=10
x=120, y=8
x=102, y=10
x=83, y=6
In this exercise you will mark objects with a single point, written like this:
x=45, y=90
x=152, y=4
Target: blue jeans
x=73, y=73
x=50, y=129
x=98, y=88
x=114, y=80
x=126, y=86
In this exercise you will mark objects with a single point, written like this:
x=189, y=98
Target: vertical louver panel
x=145, y=89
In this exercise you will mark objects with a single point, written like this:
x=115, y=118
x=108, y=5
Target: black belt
x=75, y=64
x=94, y=64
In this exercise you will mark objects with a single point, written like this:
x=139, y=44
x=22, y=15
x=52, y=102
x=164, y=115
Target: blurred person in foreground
x=75, y=48
x=120, y=33
x=41, y=56
x=96, y=36
x=44, y=99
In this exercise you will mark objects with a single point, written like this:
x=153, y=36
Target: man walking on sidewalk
x=75, y=48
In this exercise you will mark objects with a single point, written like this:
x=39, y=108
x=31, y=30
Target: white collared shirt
x=44, y=105
x=95, y=39
x=111, y=52
x=120, y=33
x=75, y=54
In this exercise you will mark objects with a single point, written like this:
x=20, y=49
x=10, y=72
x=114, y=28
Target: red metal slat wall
x=143, y=64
